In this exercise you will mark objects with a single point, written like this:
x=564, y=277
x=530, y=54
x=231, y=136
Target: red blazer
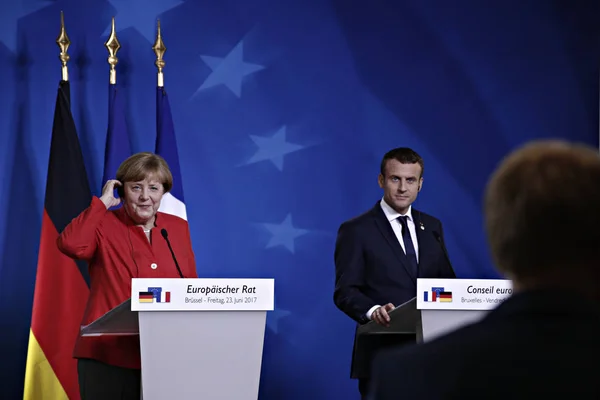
x=116, y=251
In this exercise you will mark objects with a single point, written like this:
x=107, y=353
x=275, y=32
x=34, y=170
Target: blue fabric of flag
x=166, y=142
x=118, y=145
x=166, y=146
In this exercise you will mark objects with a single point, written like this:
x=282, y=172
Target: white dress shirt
x=392, y=216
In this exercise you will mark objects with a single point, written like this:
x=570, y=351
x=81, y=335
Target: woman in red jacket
x=120, y=245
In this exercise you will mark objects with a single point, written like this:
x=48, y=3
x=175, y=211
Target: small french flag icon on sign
x=433, y=295
x=165, y=297
x=160, y=296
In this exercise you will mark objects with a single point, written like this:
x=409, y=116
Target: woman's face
x=142, y=199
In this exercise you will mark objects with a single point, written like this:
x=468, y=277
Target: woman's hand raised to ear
x=108, y=193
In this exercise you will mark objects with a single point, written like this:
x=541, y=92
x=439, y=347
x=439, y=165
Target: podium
x=371, y=338
x=199, y=338
x=441, y=306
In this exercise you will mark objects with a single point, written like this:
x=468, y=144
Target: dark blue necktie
x=411, y=254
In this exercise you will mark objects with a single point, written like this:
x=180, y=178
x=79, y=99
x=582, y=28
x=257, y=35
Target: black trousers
x=370, y=346
x=363, y=388
x=100, y=381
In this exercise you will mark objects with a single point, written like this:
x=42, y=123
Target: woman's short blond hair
x=141, y=165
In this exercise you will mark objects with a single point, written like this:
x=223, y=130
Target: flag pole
x=63, y=43
x=61, y=285
x=113, y=46
x=159, y=49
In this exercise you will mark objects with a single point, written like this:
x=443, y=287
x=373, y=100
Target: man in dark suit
x=542, y=214
x=380, y=254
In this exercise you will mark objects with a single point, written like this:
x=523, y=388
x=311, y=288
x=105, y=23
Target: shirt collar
x=392, y=214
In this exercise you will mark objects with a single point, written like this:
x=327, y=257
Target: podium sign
x=201, y=338
x=448, y=304
x=175, y=294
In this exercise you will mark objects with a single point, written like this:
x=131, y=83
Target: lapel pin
x=422, y=226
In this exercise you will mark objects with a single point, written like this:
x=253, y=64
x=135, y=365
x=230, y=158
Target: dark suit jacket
x=541, y=344
x=371, y=267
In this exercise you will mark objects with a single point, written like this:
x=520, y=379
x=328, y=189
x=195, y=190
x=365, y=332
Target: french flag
x=433, y=295
x=166, y=146
x=159, y=295
x=164, y=297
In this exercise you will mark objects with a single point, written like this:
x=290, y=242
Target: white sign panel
x=176, y=294
x=461, y=294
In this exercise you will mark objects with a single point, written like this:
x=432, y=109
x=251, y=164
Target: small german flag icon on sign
x=445, y=297
x=146, y=297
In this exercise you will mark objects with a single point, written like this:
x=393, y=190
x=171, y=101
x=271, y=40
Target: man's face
x=401, y=184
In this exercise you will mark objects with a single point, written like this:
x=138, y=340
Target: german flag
x=62, y=284
x=146, y=297
x=445, y=297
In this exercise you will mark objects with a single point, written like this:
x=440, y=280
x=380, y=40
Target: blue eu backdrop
x=282, y=111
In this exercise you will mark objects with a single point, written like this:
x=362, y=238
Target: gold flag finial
x=63, y=43
x=159, y=49
x=113, y=45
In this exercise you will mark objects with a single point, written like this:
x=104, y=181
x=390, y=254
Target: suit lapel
x=419, y=228
x=422, y=232
x=388, y=233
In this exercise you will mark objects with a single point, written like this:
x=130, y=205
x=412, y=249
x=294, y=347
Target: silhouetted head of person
x=542, y=216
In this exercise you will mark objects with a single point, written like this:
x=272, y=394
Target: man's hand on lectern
x=381, y=316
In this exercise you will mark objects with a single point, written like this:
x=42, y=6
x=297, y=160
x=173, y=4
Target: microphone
x=438, y=237
x=164, y=234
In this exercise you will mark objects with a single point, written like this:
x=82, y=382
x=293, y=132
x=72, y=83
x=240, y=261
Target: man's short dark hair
x=542, y=211
x=403, y=155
